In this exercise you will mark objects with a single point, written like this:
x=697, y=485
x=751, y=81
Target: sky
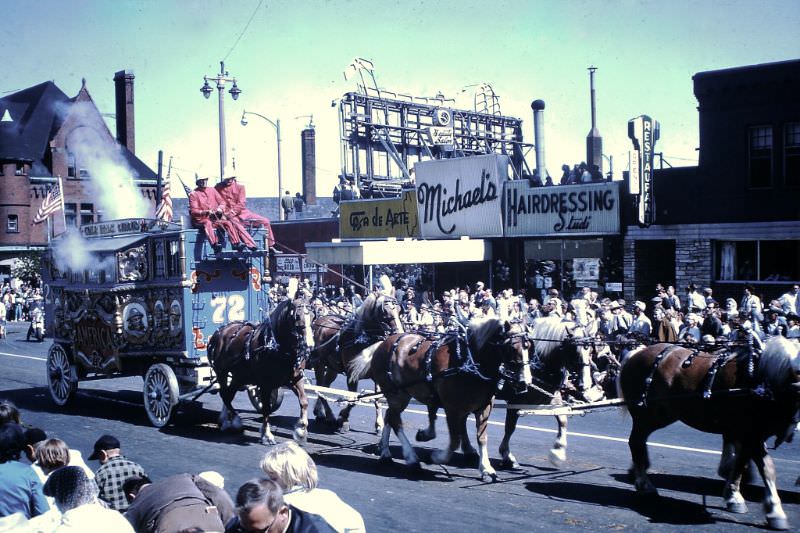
x=289, y=64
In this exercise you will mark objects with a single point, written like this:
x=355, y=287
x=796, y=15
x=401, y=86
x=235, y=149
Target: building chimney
x=126, y=131
x=594, y=142
x=538, y=138
x=308, y=145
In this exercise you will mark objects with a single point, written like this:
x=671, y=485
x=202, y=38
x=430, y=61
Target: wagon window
x=173, y=258
x=159, y=260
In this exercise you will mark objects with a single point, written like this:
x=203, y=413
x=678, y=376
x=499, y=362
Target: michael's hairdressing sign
x=590, y=209
x=461, y=196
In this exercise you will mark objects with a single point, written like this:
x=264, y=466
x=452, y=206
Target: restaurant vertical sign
x=643, y=132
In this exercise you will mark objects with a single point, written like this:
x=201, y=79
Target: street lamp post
x=277, y=126
x=222, y=78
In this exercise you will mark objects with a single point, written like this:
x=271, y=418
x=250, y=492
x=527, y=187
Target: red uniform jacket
x=235, y=199
x=203, y=200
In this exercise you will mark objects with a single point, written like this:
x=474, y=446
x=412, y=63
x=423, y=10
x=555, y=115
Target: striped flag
x=164, y=209
x=51, y=203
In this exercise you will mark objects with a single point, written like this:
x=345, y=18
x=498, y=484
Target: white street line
x=23, y=356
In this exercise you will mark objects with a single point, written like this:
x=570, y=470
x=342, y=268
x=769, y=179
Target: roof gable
x=33, y=114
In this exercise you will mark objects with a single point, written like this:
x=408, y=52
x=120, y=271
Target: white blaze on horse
x=742, y=396
x=558, y=348
x=269, y=355
x=339, y=340
x=459, y=372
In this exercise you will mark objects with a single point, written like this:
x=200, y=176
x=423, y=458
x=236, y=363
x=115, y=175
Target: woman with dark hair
x=20, y=488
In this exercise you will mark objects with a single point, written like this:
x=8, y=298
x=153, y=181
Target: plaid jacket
x=111, y=476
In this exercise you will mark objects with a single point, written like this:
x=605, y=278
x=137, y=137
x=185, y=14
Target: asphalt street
x=591, y=491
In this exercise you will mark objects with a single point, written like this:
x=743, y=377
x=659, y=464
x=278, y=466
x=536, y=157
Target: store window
x=87, y=214
x=71, y=215
x=758, y=260
x=567, y=265
x=12, y=224
x=791, y=158
x=760, y=156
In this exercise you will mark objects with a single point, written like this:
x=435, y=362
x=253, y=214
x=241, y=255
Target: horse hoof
x=268, y=441
x=300, y=436
x=385, y=459
x=378, y=430
x=510, y=464
x=736, y=507
x=414, y=466
x=780, y=523
x=491, y=475
x=423, y=436
x=557, y=457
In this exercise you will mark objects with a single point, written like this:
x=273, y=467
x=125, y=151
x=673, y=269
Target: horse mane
x=483, y=329
x=276, y=319
x=368, y=312
x=780, y=358
x=549, y=332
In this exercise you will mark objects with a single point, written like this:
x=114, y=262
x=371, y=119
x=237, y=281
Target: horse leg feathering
x=509, y=461
x=558, y=453
x=300, y=433
x=481, y=428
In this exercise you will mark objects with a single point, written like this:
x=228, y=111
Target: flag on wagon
x=164, y=209
x=51, y=204
x=186, y=189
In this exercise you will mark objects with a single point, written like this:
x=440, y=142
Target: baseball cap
x=106, y=442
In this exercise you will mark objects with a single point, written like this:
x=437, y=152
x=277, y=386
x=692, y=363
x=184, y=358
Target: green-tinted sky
x=290, y=62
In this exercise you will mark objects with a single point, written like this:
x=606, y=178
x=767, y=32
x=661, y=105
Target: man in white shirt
x=641, y=324
x=790, y=301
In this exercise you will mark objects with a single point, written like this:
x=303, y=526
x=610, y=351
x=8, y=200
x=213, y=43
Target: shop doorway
x=655, y=263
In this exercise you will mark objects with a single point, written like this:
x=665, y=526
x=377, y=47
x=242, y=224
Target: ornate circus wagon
x=143, y=297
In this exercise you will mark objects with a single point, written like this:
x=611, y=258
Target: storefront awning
x=399, y=251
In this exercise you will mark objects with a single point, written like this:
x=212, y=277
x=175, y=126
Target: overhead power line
x=241, y=34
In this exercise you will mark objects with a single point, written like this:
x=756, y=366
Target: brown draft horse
x=557, y=350
x=719, y=392
x=459, y=372
x=339, y=340
x=270, y=355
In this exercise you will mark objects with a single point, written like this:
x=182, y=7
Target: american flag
x=186, y=189
x=164, y=209
x=51, y=203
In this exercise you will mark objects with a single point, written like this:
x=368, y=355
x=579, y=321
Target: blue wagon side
x=143, y=297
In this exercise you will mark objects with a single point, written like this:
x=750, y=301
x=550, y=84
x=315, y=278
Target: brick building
x=735, y=218
x=45, y=135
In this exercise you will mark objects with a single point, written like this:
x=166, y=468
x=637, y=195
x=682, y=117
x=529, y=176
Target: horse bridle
x=511, y=371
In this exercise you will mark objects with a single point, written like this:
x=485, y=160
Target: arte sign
x=461, y=196
x=591, y=209
x=379, y=219
x=644, y=132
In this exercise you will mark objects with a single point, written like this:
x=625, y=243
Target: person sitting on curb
x=294, y=470
x=114, y=470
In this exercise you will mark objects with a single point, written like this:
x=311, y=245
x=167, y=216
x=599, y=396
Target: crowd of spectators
x=18, y=301
x=667, y=315
x=46, y=486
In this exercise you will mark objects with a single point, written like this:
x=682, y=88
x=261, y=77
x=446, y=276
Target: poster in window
x=585, y=268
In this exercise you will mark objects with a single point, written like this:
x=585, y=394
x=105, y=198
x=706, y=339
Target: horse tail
x=213, y=342
x=361, y=365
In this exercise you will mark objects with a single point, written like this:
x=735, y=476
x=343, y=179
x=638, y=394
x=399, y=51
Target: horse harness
x=465, y=362
x=708, y=382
